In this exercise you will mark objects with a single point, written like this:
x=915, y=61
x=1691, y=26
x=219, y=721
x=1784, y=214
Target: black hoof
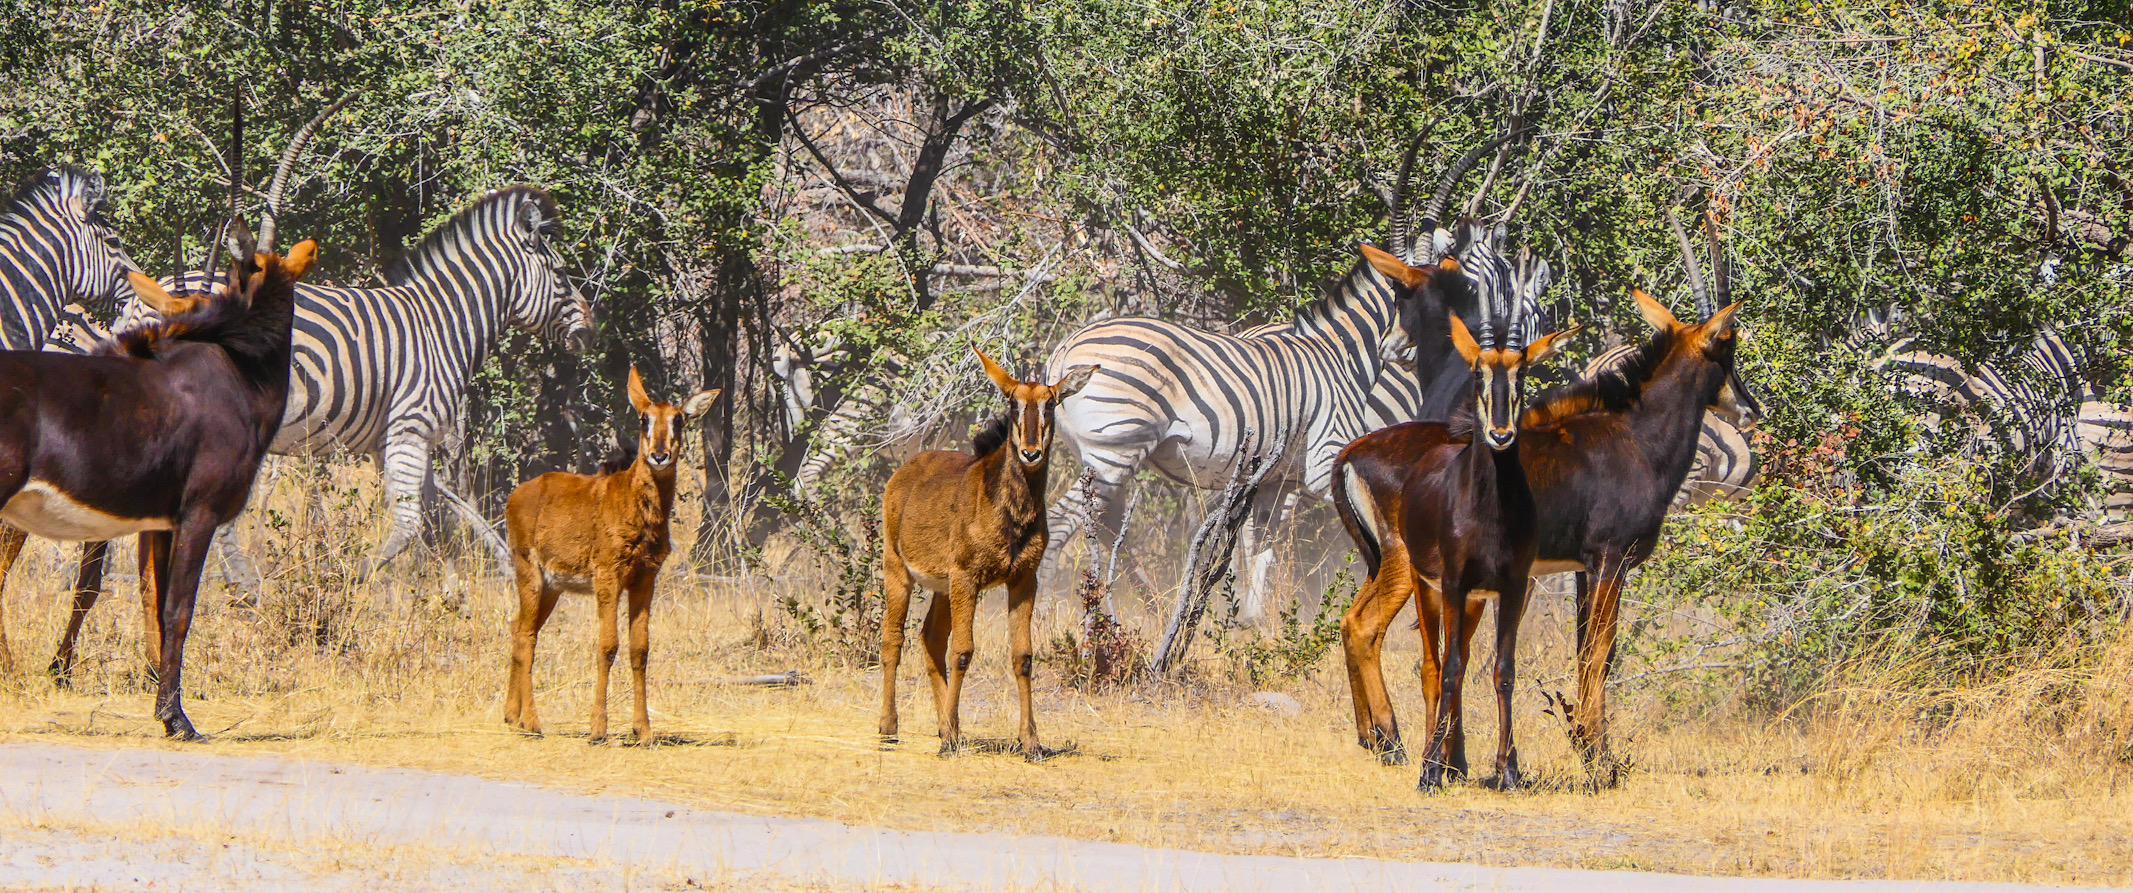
x=181, y=729
x=62, y=677
x=950, y=749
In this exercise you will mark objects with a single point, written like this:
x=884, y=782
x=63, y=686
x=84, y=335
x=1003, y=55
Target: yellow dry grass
x=2025, y=781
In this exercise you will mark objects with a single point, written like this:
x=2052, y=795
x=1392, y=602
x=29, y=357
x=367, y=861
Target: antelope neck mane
x=243, y=331
x=989, y=439
x=1614, y=389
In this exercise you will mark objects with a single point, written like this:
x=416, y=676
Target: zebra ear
x=699, y=402
x=529, y=217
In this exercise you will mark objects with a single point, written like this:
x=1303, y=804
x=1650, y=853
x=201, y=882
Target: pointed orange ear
x=1393, y=267
x=1720, y=326
x=1449, y=264
x=998, y=375
x=1549, y=345
x=1463, y=341
x=637, y=396
x=152, y=294
x=300, y=257
x=1654, y=312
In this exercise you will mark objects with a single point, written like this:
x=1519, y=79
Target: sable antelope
x=1446, y=505
x=163, y=440
x=1197, y=406
x=1603, y=458
x=959, y=524
x=601, y=533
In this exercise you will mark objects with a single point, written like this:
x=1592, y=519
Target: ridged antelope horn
x=236, y=162
x=1721, y=265
x=280, y=182
x=1435, y=211
x=1704, y=307
x=1401, y=231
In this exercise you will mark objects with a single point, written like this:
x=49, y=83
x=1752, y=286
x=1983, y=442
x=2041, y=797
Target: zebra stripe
x=2033, y=413
x=384, y=371
x=55, y=247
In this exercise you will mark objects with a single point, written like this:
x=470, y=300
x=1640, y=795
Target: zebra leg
x=1255, y=553
x=479, y=525
x=404, y=464
x=236, y=568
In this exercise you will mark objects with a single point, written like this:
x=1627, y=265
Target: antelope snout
x=1501, y=438
x=662, y=458
x=1032, y=456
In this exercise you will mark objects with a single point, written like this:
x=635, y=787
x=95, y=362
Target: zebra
x=55, y=248
x=383, y=372
x=1195, y=406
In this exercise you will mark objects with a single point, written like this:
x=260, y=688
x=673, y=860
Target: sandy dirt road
x=481, y=833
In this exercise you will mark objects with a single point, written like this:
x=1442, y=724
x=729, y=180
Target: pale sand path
x=488, y=820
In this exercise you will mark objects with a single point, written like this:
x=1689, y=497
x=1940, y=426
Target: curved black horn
x=1721, y=272
x=1435, y=211
x=280, y=182
x=1400, y=235
x=1688, y=259
x=236, y=165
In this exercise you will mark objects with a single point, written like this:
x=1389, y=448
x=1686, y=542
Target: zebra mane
x=995, y=433
x=1313, y=316
x=402, y=270
x=1608, y=387
x=56, y=178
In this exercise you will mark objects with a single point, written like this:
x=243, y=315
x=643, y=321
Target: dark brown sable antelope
x=1444, y=508
x=601, y=533
x=1603, y=458
x=162, y=435
x=959, y=524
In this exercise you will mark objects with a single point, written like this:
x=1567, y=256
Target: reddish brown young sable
x=959, y=524
x=605, y=534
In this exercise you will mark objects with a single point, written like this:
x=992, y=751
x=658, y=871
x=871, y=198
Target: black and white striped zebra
x=384, y=372
x=56, y=249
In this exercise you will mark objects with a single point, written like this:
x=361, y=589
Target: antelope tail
x=1358, y=511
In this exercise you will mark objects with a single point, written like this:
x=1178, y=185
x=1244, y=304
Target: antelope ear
x=998, y=375
x=1072, y=383
x=1463, y=341
x=1393, y=267
x=153, y=295
x=699, y=402
x=638, y=398
x=300, y=258
x=1654, y=312
x=1449, y=264
x=1720, y=326
x=1549, y=345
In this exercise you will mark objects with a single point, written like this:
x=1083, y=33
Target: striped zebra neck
x=1363, y=309
x=49, y=256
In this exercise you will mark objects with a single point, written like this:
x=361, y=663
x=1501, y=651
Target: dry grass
x=2024, y=781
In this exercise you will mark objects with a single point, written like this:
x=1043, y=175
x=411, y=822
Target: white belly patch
x=1558, y=567
x=934, y=584
x=42, y=509
x=567, y=582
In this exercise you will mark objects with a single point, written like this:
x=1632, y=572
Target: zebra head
x=544, y=301
x=66, y=203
